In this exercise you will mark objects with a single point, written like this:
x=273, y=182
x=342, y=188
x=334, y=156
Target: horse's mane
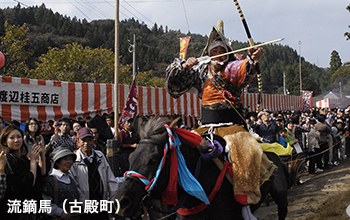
x=154, y=129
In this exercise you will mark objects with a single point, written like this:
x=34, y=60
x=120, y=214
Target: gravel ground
x=322, y=196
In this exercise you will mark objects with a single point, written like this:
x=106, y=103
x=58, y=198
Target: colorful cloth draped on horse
x=277, y=149
x=251, y=167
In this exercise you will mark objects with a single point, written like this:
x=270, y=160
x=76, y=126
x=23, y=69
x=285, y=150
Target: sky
x=313, y=28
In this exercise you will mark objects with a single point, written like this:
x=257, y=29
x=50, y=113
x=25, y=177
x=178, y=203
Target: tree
x=342, y=75
x=76, y=63
x=14, y=45
x=335, y=62
x=2, y=23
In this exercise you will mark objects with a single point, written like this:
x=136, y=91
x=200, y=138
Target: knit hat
x=84, y=132
x=312, y=121
x=61, y=152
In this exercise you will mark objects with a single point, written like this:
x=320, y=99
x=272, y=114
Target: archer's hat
x=216, y=36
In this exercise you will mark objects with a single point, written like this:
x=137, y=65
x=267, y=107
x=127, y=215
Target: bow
x=251, y=43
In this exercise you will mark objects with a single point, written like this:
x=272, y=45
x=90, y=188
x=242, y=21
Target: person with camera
x=62, y=135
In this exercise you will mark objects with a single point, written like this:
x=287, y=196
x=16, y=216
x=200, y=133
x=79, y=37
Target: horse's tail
x=280, y=162
x=293, y=169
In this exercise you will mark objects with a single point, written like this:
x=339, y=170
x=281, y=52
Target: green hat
x=61, y=152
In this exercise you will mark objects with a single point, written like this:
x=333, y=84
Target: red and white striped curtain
x=22, y=98
x=272, y=102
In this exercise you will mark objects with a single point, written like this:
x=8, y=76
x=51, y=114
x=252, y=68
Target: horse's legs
x=279, y=187
x=281, y=200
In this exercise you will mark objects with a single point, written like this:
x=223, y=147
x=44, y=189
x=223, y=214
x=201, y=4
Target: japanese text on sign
x=25, y=94
x=44, y=206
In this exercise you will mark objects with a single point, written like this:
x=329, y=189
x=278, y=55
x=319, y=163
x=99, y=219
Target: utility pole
x=116, y=68
x=300, y=78
x=113, y=144
x=284, y=83
x=132, y=49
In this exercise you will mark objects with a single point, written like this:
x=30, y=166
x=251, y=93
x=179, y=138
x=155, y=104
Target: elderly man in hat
x=93, y=173
x=219, y=82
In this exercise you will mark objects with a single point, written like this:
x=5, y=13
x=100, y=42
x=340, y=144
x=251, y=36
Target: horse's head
x=144, y=163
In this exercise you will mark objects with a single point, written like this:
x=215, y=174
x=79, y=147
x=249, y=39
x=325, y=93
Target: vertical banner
x=131, y=105
x=184, y=42
x=307, y=99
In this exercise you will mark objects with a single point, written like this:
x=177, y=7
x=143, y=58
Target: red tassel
x=190, y=138
x=169, y=196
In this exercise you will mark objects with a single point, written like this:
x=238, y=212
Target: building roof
x=331, y=95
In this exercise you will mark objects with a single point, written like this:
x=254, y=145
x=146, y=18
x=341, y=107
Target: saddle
x=251, y=168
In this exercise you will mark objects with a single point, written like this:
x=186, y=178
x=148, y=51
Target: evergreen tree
x=335, y=62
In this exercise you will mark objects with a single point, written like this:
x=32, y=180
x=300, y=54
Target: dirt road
x=323, y=196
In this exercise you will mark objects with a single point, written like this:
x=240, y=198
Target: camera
x=57, y=124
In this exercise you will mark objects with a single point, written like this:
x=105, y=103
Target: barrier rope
x=314, y=155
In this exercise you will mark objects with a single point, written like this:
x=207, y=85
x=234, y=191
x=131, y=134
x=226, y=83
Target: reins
x=150, y=183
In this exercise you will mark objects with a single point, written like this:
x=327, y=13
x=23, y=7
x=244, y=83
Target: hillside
x=156, y=47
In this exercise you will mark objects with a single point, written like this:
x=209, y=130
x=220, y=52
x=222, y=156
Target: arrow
x=207, y=58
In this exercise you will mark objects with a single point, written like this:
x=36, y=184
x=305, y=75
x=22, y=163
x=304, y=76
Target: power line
x=139, y=12
x=114, y=8
x=130, y=12
x=79, y=10
x=183, y=5
x=94, y=10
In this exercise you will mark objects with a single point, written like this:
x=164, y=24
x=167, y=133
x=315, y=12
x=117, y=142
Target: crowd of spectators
x=72, y=155
x=62, y=166
x=321, y=135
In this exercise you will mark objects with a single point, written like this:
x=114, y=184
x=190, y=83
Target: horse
x=149, y=176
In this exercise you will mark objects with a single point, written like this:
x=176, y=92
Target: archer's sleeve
x=178, y=79
x=242, y=72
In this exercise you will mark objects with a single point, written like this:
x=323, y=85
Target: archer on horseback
x=220, y=82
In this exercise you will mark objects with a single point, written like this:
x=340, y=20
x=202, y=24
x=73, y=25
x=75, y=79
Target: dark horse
x=145, y=162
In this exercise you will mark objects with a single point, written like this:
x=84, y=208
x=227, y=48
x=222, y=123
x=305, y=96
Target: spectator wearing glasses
x=32, y=135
